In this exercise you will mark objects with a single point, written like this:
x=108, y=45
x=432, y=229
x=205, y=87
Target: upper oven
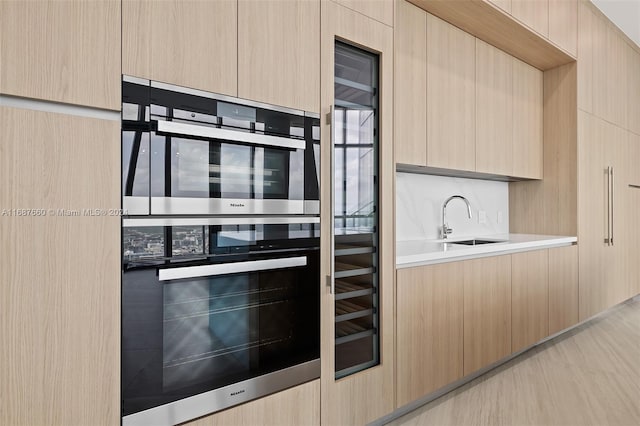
x=188, y=152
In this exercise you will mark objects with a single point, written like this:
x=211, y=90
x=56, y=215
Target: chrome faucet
x=445, y=228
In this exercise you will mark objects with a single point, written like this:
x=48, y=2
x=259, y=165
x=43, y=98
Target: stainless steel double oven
x=220, y=256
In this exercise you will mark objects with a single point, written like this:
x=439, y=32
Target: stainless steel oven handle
x=230, y=268
x=332, y=202
x=186, y=129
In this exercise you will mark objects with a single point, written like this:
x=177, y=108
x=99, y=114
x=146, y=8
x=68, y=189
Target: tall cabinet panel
x=189, y=43
x=494, y=110
x=451, y=96
x=533, y=13
x=60, y=293
x=279, y=52
x=366, y=395
x=563, y=24
x=410, y=84
x=61, y=51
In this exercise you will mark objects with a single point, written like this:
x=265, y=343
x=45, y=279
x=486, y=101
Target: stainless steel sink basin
x=476, y=242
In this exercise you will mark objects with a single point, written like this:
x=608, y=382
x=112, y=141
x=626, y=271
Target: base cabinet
x=529, y=298
x=429, y=329
x=563, y=288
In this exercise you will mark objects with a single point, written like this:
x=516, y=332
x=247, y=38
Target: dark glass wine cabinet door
x=355, y=209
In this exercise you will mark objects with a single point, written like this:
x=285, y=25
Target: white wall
x=624, y=13
x=419, y=201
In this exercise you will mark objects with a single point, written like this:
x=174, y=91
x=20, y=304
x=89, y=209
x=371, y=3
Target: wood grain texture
x=633, y=92
x=410, y=84
x=368, y=395
x=592, y=66
x=549, y=207
x=487, y=311
x=533, y=13
x=297, y=406
x=380, y=10
x=506, y=5
x=63, y=51
x=563, y=288
x=563, y=24
x=60, y=292
x=527, y=121
x=587, y=376
x=633, y=245
x=279, y=52
x=199, y=37
x=429, y=329
x=496, y=27
x=529, y=298
x=451, y=113
x=494, y=110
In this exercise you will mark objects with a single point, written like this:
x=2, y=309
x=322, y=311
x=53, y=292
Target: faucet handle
x=446, y=231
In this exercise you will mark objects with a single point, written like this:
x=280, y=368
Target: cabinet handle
x=612, y=202
x=607, y=239
x=331, y=280
x=634, y=186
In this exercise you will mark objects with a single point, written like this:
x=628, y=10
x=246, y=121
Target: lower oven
x=216, y=312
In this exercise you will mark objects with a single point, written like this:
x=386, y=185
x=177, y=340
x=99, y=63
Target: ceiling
x=624, y=13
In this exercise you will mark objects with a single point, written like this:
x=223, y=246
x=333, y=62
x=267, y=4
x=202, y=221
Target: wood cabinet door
x=451, y=96
x=279, y=52
x=494, y=110
x=429, y=329
x=502, y=4
x=410, y=84
x=60, y=272
x=533, y=13
x=527, y=121
x=602, y=215
x=563, y=288
x=63, y=51
x=189, y=43
x=380, y=10
x=487, y=311
x=632, y=250
x=563, y=24
x=592, y=67
x=367, y=395
x=529, y=298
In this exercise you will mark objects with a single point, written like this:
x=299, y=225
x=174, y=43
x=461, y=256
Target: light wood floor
x=588, y=376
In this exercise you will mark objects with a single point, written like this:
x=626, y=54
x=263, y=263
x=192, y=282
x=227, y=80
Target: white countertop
x=428, y=252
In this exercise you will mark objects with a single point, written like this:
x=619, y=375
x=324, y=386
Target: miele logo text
x=237, y=205
x=237, y=392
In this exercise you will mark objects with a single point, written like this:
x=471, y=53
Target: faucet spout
x=445, y=228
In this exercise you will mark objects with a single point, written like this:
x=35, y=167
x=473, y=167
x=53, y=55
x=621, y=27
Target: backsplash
x=419, y=201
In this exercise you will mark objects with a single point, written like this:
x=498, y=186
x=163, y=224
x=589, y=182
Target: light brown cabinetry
x=563, y=288
x=527, y=121
x=292, y=407
x=410, y=84
x=380, y=10
x=60, y=292
x=451, y=106
x=189, y=43
x=279, y=52
x=529, y=298
x=367, y=395
x=487, y=311
x=61, y=51
x=602, y=217
x=533, y=13
x=563, y=24
x=502, y=4
x=429, y=329
x=633, y=207
x=494, y=110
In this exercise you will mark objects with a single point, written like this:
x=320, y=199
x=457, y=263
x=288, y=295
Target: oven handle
x=176, y=128
x=230, y=268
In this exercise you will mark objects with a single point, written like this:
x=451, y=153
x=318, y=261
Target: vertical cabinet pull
x=609, y=239
x=331, y=281
x=613, y=186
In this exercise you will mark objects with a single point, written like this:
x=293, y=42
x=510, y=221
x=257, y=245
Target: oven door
x=197, y=169
x=202, y=332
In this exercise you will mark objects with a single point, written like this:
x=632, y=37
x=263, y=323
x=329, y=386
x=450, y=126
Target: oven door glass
x=209, y=306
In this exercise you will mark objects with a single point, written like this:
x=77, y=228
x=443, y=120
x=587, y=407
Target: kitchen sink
x=475, y=242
